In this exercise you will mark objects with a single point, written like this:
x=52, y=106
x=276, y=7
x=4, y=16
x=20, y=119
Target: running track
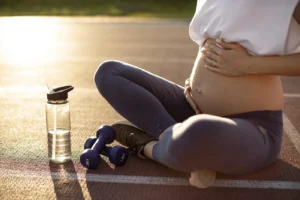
x=37, y=51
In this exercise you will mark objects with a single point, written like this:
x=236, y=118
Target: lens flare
x=26, y=41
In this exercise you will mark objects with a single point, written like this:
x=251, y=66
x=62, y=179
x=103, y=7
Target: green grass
x=152, y=8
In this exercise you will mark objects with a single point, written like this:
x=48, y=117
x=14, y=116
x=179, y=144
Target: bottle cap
x=59, y=93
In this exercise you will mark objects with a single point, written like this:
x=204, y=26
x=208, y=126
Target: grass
x=164, y=9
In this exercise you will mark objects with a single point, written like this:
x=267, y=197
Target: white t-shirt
x=263, y=27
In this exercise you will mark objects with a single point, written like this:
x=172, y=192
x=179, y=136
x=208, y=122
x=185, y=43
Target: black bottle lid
x=59, y=93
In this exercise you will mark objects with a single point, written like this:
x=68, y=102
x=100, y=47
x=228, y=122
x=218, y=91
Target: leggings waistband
x=274, y=115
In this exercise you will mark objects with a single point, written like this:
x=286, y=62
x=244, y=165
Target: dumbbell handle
x=98, y=145
x=105, y=151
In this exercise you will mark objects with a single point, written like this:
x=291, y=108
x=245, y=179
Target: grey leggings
x=234, y=144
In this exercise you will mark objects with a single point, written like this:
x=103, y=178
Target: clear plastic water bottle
x=58, y=124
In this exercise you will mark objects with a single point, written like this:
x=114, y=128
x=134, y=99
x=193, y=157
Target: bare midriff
x=221, y=95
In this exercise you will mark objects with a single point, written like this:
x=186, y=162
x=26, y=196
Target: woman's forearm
x=288, y=65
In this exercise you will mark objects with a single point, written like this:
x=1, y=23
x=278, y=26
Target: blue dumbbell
x=117, y=155
x=90, y=158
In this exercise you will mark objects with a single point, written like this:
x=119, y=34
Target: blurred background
x=149, y=8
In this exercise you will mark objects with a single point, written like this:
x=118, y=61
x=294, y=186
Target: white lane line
x=147, y=180
x=291, y=95
x=291, y=132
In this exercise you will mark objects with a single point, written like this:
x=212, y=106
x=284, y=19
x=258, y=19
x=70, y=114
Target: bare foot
x=202, y=178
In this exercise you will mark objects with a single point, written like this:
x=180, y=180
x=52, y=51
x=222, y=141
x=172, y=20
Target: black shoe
x=134, y=138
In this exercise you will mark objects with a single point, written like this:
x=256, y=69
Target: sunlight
x=27, y=41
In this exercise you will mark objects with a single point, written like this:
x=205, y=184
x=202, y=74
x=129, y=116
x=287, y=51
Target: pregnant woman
x=228, y=117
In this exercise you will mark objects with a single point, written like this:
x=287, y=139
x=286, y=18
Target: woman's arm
x=288, y=65
x=296, y=14
x=234, y=60
x=279, y=65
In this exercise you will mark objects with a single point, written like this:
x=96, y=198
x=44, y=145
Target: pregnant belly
x=223, y=95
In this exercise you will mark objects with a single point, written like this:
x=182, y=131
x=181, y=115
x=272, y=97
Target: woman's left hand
x=229, y=59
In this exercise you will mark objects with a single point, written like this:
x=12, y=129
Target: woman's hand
x=229, y=59
x=187, y=93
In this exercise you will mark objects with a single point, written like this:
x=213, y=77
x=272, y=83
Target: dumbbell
x=90, y=158
x=117, y=155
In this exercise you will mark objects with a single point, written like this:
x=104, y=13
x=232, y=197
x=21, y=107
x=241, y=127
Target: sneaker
x=131, y=136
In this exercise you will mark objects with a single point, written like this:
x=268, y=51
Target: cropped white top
x=263, y=27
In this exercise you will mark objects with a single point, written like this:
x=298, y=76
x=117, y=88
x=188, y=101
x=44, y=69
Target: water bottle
x=58, y=124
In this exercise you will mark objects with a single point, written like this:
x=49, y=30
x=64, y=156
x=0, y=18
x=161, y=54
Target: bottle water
x=58, y=124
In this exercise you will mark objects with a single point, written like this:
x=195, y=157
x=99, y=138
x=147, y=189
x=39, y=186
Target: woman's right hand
x=187, y=93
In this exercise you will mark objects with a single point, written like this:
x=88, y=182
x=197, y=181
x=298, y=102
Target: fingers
x=228, y=45
x=190, y=100
x=187, y=91
x=187, y=83
x=210, y=41
x=211, y=62
x=214, y=69
x=211, y=55
x=214, y=48
x=220, y=71
x=187, y=88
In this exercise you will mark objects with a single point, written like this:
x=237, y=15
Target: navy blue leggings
x=235, y=144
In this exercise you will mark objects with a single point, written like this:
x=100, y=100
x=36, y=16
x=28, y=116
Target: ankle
x=147, y=150
x=142, y=151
